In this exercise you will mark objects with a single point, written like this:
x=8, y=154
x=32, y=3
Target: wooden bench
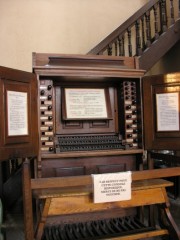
x=73, y=195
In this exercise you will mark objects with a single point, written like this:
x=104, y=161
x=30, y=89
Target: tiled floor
x=14, y=222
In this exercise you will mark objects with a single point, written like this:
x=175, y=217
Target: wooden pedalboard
x=73, y=195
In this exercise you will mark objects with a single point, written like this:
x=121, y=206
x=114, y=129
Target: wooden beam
x=63, y=182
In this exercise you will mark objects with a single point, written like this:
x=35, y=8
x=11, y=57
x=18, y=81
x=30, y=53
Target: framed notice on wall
x=161, y=95
x=86, y=103
x=17, y=109
x=167, y=107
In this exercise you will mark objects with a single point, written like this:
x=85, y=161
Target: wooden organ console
x=96, y=115
x=88, y=143
x=75, y=142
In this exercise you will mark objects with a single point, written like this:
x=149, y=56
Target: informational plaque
x=17, y=113
x=112, y=187
x=167, y=111
x=85, y=103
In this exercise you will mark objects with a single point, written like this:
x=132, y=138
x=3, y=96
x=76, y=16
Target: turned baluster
x=148, y=29
x=156, y=21
x=163, y=15
x=172, y=12
x=109, y=50
x=116, y=49
x=143, y=34
x=121, y=46
x=129, y=42
x=138, y=38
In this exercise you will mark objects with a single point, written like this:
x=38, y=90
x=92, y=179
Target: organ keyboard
x=88, y=143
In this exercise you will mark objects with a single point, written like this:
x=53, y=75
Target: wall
x=57, y=26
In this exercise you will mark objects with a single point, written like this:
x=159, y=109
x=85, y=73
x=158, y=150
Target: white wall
x=57, y=26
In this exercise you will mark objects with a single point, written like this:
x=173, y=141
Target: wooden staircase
x=148, y=34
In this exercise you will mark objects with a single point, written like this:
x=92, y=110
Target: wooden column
x=27, y=201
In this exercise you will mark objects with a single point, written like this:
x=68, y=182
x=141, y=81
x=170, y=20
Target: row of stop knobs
x=131, y=122
x=46, y=117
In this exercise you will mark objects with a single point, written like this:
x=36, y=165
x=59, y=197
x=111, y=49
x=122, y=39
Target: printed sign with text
x=111, y=187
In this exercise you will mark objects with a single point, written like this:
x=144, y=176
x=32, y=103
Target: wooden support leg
x=166, y=220
x=27, y=201
x=41, y=225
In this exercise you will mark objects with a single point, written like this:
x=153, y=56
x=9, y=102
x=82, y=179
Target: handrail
x=162, y=12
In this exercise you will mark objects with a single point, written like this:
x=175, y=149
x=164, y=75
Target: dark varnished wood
x=86, y=62
x=20, y=145
x=79, y=71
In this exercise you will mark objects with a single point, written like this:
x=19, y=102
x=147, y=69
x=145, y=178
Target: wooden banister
x=141, y=30
x=122, y=28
